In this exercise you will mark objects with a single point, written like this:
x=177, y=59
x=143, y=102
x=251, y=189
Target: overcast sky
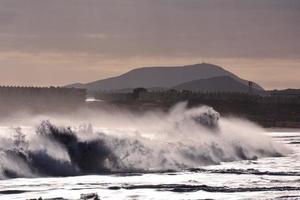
x=56, y=42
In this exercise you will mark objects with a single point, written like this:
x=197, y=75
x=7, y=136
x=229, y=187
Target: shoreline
x=266, y=121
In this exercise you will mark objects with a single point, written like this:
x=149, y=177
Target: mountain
x=76, y=85
x=216, y=84
x=161, y=77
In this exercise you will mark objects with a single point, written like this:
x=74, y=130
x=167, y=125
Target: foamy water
x=265, y=178
x=185, y=154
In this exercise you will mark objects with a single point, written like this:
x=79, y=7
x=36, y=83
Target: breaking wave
x=123, y=142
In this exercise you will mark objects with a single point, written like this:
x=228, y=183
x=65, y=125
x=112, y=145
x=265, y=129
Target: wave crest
x=183, y=138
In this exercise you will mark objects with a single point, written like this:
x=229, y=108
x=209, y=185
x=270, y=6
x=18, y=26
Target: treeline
x=173, y=96
x=269, y=110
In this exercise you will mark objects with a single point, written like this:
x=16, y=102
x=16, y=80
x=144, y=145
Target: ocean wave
x=180, y=139
x=206, y=188
x=245, y=171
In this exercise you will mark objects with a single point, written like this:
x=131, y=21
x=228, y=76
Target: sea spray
x=102, y=142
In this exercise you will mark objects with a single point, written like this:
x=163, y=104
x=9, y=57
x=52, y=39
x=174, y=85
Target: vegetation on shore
x=274, y=110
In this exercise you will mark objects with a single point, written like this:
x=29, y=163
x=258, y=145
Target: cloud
x=105, y=37
x=96, y=36
x=267, y=28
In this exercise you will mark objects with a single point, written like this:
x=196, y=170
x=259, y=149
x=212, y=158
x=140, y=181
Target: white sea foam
x=93, y=142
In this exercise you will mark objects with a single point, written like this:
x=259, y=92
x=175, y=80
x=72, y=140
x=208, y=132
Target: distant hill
x=162, y=77
x=216, y=84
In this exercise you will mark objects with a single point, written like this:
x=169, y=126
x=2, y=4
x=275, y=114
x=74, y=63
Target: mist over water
x=96, y=142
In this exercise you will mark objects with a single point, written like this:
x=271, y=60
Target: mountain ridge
x=167, y=77
x=216, y=84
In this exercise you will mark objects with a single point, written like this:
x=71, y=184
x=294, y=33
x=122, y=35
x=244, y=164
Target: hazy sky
x=56, y=42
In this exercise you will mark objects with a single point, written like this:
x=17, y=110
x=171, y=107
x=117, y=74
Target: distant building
x=138, y=92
